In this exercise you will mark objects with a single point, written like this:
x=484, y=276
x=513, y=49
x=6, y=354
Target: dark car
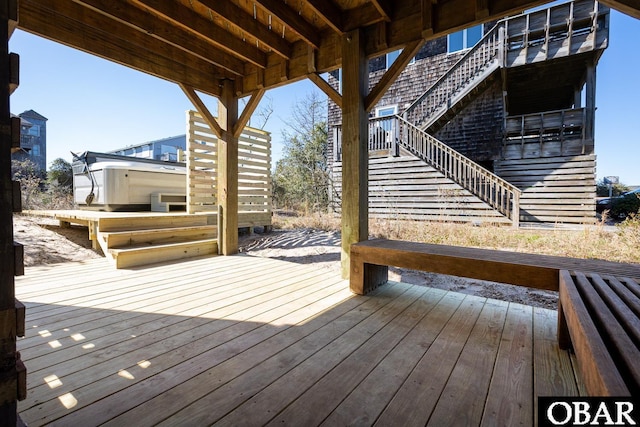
x=621, y=206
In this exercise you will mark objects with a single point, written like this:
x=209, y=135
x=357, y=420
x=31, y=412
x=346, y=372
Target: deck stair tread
x=130, y=242
x=141, y=254
x=124, y=223
x=144, y=247
x=119, y=239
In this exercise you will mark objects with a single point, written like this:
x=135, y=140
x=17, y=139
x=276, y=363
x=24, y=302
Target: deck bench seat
x=599, y=318
x=370, y=260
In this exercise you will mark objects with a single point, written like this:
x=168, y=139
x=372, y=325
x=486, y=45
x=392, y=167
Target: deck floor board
x=252, y=341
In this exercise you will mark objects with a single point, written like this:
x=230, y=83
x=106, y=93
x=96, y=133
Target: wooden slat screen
x=254, y=166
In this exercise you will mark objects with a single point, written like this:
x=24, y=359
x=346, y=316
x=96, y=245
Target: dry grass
x=621, y=244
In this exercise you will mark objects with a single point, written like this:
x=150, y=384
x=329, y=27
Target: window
x=464, y=39
x=35, y=151
x=392, y=56
x=34, y=130
x=386, y=111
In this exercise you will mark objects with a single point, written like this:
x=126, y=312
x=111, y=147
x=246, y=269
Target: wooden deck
x=243, y=340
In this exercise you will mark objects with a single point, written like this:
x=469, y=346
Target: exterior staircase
x=511, y=50
x=485, y=185
x=468, y=77
x=132, y=242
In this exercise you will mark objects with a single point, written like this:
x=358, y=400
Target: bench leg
x=564, y=339
x=364, y=277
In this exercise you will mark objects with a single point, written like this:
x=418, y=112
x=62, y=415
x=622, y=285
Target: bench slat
x=632, y=285
x=598, y=370
x=611, y=318
x=625, y=306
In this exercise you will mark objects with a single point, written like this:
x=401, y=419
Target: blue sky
x=94, y=104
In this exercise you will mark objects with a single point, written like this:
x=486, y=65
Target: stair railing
x=482, y=183
x=438, y=97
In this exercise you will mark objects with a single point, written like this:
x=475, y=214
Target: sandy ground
x=45, y=242
x=323, y=249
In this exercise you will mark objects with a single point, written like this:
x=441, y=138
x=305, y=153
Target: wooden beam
x=629, y=7
x=329, y=13
x=8, y=354
x=406, y=27
x=482, y=9
x=355, y=153
x=392, y=74
x=362, y=16
x=590, y=103
x=75, y=26
x=239, y=18
x=427, y=18
x=12, y=15
x=292, y=20
x=228, y=170
x=384, y=8
x=149, y=24
x=202, y=109
x=326, y=88
x=238, y=127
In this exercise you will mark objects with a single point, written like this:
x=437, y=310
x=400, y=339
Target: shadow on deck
x=254, y=341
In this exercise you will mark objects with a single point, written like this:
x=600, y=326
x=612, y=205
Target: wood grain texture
x=598, y=371
x=248, y=340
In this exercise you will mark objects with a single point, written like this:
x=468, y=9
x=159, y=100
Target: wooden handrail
x=482, y=183
x=513, y=33
x=454, y=80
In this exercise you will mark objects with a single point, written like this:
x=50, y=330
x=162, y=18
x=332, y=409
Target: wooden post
x=228, y=169
x=8, y=324
x=590, y=105
x=355, y=154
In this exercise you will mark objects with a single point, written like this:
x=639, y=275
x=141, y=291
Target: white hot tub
x=125, y=185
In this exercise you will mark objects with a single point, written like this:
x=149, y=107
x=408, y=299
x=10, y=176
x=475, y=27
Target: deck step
x=120, y=239
x=149, y=254
x=152, y=222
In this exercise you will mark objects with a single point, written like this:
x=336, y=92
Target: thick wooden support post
x=9, y=360
x=228, y=169
x=590, y=102
x=16, y=196
x=18, y=256
x=355, y=155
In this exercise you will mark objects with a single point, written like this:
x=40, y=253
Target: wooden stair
x=130, y=242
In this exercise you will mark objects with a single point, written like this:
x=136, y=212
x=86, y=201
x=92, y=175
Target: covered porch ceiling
x=256, y=44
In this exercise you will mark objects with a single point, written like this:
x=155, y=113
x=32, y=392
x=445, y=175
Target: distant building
x=165, y=149
x=33, y=139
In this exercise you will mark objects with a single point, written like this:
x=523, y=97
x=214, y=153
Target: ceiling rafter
x=75, y=26
x=141, y=20
x=239, y=18
x=392, y=74
x=292, y=20
x=197, y=24
x=329, y=13
x=384, y=7
x=363, y=16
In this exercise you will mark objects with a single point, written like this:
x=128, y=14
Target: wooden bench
x=370, y=261
x=599, y=318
